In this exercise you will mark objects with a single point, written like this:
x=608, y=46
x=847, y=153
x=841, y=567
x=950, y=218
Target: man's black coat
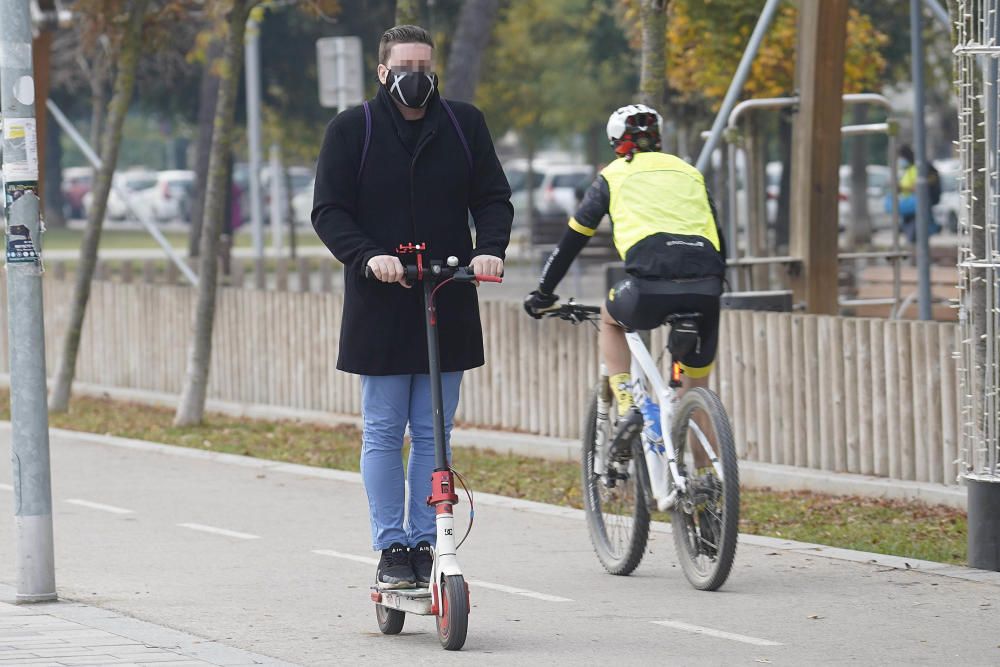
x=403, y=197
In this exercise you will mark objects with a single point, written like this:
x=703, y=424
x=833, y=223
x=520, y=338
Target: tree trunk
x=529, y=183
x=290, y=215
x=408, y=12
x=124, y=85
x=652, y=83
x=99, y=73
x=859, y=232
x=475, y=24
x=54, y=203
x=208, y=95
x=191, y=408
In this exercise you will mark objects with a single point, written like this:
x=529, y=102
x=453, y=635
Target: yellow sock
x=621, y=387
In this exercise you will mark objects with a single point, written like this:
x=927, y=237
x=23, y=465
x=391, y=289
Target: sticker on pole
x=20, y=246
x=20, y=150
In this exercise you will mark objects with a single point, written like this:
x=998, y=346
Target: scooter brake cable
x=472, y=507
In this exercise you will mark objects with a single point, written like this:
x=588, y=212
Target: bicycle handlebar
x=572, y=311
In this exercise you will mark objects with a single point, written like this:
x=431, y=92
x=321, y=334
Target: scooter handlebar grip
x=488, y=279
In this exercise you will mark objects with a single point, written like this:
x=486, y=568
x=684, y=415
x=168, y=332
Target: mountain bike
x=682, y=460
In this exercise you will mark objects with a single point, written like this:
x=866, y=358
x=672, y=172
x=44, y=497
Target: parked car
x=171, y=197
x=878, y=188
x=555, y=186
x=946, y=211
x=302, y=203
x=76, y=183
x=134, y=182
x=301, y=180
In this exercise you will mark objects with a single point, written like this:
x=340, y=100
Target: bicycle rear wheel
x=615, y=503
x=706, y=517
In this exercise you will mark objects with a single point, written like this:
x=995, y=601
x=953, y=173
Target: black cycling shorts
x=640, y=304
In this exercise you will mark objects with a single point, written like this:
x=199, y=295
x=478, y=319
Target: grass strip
x=900, y=528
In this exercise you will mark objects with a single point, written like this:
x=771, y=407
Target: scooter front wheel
x=453, y=621
x=390, y=621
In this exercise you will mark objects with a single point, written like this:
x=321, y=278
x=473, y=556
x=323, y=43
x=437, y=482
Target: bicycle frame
x=665, y=485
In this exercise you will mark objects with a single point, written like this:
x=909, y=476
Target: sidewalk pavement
x=61, y=634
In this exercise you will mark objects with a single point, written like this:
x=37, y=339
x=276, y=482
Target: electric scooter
x=447, y=597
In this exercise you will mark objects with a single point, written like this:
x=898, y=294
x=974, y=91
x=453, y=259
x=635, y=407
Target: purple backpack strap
x=458, y=129
x=368, y=138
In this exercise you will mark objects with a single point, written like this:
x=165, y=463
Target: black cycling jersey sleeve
x=559, y=261
x=582, y=226
x=595, y=204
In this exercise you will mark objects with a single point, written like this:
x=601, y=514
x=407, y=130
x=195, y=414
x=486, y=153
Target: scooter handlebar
x=456, y=273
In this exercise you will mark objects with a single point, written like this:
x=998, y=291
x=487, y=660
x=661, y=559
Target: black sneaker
x=421, y=560
x=627, y=428
x=394, y=569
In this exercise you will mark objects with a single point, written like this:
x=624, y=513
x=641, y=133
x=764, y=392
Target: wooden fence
x=832, y=393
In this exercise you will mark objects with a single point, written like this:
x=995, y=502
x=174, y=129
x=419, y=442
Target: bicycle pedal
x=626, y=430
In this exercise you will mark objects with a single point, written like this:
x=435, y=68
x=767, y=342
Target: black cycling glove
x=537, y=303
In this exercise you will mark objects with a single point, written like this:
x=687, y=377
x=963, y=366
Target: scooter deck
x=409, y=600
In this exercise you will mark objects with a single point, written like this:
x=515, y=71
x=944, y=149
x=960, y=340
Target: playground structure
x=977, y=54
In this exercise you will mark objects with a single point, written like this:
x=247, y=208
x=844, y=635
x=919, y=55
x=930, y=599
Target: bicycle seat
x=684, y=336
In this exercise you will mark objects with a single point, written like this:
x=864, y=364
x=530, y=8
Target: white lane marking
x=513, y=590
x=99, y=506
x=6, y=487
x=518, y=591
x=337, y=554
x=721, y=634
x=219, y=531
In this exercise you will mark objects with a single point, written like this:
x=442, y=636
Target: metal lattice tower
x=977, y=55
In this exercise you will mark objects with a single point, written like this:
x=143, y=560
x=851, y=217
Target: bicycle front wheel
x=705, y=521
x=615, y=502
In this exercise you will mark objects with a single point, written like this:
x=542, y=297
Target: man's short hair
x=402, y=34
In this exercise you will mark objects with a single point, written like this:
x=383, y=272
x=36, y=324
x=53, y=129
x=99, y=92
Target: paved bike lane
x=275, y=560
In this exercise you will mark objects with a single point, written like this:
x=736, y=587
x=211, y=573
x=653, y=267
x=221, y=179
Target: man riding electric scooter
x=404, y=170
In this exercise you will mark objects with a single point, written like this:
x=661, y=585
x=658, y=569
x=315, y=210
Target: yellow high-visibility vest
x=657, y=193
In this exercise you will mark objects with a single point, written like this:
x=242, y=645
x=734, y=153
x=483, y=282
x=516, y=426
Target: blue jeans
x=388, y=403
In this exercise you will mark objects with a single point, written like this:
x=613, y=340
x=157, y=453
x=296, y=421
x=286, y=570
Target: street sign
x=340, y=72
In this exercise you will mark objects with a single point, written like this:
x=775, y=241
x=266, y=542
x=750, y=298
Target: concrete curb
x=894, y=562
x=752, y=473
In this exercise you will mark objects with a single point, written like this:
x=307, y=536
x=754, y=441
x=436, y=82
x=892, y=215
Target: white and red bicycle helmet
x=634, y=127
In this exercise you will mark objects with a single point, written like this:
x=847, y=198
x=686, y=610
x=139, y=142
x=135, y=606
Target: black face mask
x=411, y=89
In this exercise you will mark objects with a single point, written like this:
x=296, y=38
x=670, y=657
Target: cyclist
x=665, y=228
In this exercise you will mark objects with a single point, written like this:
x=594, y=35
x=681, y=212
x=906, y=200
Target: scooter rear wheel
x=453, y=623
x=390, y=621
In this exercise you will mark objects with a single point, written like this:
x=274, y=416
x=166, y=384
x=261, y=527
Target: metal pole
x=341, y=50
x=920, y=156
x=736, y=85
x=276, y=175
x=252, y=66
x=897, y=286
x=35, y=559
x=939, y=13
x=125, y=195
